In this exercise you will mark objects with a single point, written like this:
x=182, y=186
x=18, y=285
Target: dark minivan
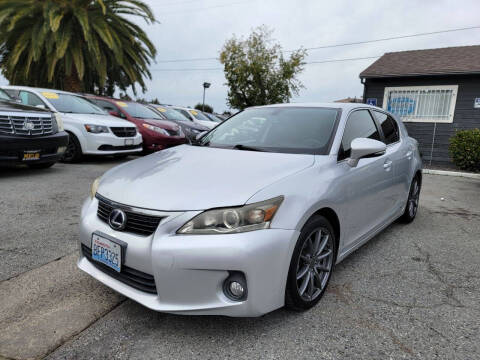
x=29, y=135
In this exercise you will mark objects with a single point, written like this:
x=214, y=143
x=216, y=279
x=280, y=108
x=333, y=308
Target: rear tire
x=311, y=265
x=73, y=153
x=412, y=202
x=45, y=165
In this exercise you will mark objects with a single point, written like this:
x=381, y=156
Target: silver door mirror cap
x=362, y=147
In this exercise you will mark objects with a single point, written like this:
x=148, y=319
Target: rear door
x=400, y=154
x=368, y=186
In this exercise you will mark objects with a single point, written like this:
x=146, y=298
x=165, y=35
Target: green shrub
x=465, y=149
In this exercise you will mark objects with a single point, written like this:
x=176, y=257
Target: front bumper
x=110, y=144
x=189, y=270
x=50, y=147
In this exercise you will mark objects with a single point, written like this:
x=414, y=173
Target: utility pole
x=206, y=85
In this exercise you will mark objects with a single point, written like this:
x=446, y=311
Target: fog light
x=236, y=289
x=61, y=149
x=235, y=286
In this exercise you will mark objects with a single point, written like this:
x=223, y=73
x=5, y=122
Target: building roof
x=443, y=61
x=350, y=100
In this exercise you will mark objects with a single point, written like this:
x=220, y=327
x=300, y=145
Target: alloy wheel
x=413, y=199
x=314, y=264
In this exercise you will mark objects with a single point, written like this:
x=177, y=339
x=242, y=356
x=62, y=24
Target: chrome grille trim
x=14, y=125
x=139, y=221
x=124, y=131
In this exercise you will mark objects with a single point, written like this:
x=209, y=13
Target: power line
x=205, y=8
x=342, y=44
x=306, y=63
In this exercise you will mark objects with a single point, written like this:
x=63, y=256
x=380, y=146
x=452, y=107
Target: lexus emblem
x=117, y=219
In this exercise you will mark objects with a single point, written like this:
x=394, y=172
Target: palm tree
x=75, y=45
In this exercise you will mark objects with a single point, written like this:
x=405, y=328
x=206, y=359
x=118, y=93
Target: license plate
x=128, y=141
x=107, y=252
x=31, y=155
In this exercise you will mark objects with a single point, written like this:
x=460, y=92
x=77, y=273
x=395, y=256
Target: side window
x=359, y=125
x=30, y=99
x=389, y=127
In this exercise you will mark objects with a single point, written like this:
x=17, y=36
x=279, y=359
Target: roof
x=442, y=61
x=331, y=105
x=350, y=100
x=15, y=87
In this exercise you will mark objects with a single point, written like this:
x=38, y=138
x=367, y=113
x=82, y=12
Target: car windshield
x=171, y=114
x=68, y=103
x=198, y=115
x=139, y=111
x=4, y=96
x=277, y=129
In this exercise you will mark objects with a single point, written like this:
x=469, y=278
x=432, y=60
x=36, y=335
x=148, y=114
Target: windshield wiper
x=246, y=147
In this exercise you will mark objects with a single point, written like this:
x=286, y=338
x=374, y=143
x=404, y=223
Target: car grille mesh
x=136, y=223
x=124, y=131
x=16, y=125
x=134, y=278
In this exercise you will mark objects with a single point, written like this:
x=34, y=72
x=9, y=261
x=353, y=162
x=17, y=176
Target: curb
x=451, y=173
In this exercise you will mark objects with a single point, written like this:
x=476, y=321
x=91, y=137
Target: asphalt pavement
x=412, y=292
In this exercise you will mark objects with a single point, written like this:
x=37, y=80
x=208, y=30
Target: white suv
x=92, y=131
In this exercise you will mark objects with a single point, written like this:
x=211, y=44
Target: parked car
x=157, y=132
x=196, y=116
x=189, y=128
x=212, y=117
x=28, y=135
x=91, y=130
x=264, y=219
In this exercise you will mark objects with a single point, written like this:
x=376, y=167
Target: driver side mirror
x=200, y=135
x=363, y=147
x=40, y=106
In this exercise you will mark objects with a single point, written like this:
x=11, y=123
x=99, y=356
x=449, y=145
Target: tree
x=257, y=73
x=208, y=108
x=76, y=45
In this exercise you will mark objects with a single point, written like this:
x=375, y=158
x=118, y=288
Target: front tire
x=412, y=202
x=311, y=265
x=73, y=153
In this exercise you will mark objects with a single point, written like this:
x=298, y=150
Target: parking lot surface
x=411, y=292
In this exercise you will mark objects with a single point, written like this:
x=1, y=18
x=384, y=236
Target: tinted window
x=389, y=127
x=359, y=125
x=277, y=129
x=171, y=114
x=185, y=113
x=198, y=115
x=29, y=98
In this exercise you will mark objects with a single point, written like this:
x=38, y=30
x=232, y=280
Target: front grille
x=118, y=148
x=124, y=131
x=136, y=223
x=134, y=278
x=20, y=125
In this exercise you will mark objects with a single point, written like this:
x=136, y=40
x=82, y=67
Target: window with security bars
x=422, y=103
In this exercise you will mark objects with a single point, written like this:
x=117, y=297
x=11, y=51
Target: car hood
x=197, y=178
x=97, y=119
x=192, y=125
x=12, y=106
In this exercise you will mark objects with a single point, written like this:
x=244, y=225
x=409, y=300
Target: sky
x=198, y=28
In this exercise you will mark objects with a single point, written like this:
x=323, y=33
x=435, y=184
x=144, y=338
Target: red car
x=157, y=133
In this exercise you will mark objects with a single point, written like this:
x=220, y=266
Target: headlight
x=94, y=188
x=96, y=129
x=156, y=129
x=233, y=220
x=59, y=120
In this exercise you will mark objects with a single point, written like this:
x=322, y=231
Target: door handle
x=387, y=165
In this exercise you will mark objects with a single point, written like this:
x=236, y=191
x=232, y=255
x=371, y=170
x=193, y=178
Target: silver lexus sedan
x=256, y=214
